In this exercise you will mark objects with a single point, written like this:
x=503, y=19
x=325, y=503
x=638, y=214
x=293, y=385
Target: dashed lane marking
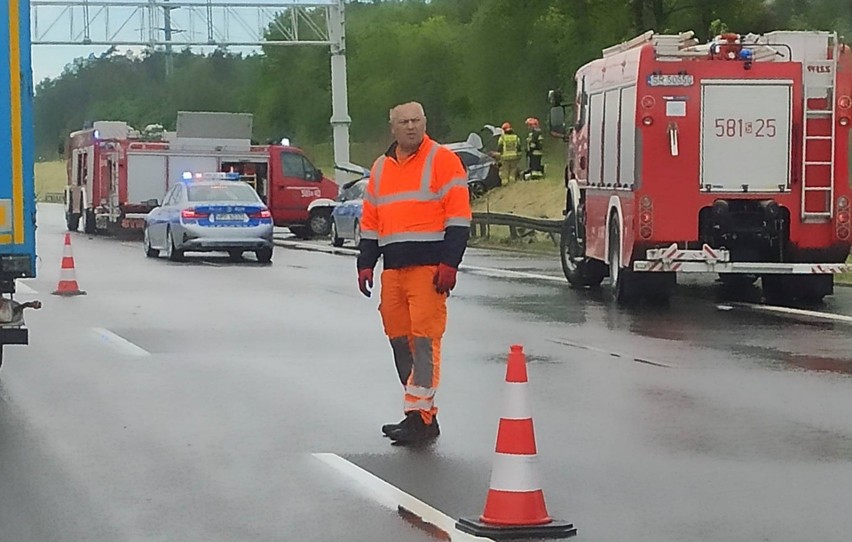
x=412, y=510
x=609, y=353
x=120, y=343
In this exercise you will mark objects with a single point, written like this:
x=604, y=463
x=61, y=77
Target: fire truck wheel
x=622, y=279
x=72, y=220
x=89, y=225
x=580, y=271
x=302, y=232
x=320, y=222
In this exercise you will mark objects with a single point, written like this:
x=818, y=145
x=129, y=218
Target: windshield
x=223, y=192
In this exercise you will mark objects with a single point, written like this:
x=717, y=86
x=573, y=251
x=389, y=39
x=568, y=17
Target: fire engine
x=116, y=174
x=729, y=157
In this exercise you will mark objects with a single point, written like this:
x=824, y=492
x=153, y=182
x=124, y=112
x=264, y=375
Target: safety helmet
x=506, y=127
x=532, y=121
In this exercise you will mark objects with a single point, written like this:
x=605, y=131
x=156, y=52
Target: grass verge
x=49, y=178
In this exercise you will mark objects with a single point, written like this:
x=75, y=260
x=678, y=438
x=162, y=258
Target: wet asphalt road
x=184, y=402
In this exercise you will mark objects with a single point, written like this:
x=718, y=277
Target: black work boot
x=414, y=431
x=389, y=428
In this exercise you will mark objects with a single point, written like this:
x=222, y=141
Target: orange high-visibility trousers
x=414, y=316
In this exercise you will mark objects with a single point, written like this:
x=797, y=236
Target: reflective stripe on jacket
x=509, y=146
x=534, y=142
x=416, y=212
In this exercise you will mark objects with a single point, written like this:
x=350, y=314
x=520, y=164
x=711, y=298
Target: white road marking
x=610, y=353
x=120, y=343
x=22, y=288
x=394, y=498
x=316, y=248
x=506, y=273
x=787, y=311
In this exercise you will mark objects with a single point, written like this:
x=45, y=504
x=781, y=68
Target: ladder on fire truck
x=819, y=79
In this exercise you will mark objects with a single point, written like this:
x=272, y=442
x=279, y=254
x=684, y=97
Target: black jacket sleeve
x=455, y=243
x=368, y=254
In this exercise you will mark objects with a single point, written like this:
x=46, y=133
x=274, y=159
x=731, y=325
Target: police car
x=208, y=212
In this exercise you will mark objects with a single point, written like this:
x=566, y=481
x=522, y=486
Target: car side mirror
x=152, y=203
x=317, y=174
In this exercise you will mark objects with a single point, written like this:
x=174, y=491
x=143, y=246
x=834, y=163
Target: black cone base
x=554, y=529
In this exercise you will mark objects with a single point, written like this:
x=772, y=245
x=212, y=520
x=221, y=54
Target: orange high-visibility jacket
x=416, y=212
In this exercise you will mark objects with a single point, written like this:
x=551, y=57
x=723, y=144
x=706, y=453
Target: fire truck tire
x=72, y=220
x=737, y=281
x=622, y=286
x=585, y=273
x=784, y=289
x=302, y=232
x=89, y=225
x=320, y=222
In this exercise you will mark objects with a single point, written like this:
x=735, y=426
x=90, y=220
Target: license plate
x=230, y=217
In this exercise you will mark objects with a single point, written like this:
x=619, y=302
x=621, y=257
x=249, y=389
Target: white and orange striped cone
x=514, y=507
x=67, y=277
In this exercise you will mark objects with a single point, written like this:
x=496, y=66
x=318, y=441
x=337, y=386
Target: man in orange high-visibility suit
x=416, y=215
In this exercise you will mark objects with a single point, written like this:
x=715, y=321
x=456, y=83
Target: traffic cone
x=67, y=278
x=514, y=507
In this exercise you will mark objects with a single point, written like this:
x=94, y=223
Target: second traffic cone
x=514, y=507
x=67, y=278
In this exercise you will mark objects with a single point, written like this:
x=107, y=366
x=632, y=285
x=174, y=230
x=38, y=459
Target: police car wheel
x=172, y=252
x=263, y=255
x=336, y=240
x=146, y=243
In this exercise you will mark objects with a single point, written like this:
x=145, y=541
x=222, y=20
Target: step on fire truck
x=730, y=157
x=116, y=174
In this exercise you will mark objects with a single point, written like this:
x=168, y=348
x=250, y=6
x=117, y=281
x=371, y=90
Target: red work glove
x=365, y=281
x=445, y=278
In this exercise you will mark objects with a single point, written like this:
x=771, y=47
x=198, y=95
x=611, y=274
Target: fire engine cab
x=730, y=157
x=116, y=174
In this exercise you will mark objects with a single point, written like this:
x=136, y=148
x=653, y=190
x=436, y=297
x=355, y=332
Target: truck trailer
x=17, y=190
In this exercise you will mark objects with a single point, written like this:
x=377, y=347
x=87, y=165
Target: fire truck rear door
x=145, y=177
x=745, y=135
x=179, y=164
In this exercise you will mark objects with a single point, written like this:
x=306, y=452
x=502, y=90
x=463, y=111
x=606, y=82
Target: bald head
x=408, y=125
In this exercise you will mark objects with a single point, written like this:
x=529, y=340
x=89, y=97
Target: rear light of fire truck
x=842, y=225
x=646, y=217
x=192, y=214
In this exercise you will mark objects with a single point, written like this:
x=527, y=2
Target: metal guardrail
x=51, y=197
x=519, y=226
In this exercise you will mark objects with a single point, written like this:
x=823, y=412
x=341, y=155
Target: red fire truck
x=730, y=157
x=116, y=174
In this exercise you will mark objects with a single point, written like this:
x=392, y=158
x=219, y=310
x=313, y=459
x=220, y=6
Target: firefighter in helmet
x=535, y=150
x=509, y=147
